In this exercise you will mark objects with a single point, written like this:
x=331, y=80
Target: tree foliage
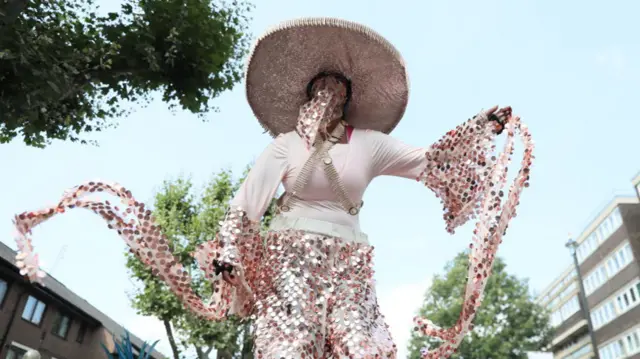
x=188, y=220
x=66, y=70
x=508, y=324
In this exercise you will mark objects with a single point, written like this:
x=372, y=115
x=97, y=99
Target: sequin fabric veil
x=325, y=106
x=460, y=169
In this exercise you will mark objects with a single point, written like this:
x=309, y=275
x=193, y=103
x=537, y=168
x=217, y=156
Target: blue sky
x=569, y=68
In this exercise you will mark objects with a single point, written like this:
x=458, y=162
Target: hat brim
x=286, y=58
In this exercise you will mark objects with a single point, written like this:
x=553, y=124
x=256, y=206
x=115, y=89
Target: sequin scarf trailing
x=460, y=170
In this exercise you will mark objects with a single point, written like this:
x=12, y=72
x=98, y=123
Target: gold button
x=353, y=211
x=327, y=160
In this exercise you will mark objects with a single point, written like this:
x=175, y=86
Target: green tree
x=65, y=70
x=189, y=220
x=508, y=324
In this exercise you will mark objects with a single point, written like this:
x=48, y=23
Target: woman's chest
x=351, y=162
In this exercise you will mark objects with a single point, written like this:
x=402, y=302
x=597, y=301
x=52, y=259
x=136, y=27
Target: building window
x=617, y=306
x=3, y=290
x=565, y=312
x=613, y=265
x=579, y=353
x=599, y=235
x=14, y=352
x=632, y=342
x=33, y=310
x=603, y=315
x=624, y=346
x=595, y=279
x=613, y=350
x=572, y=287
x=618, y=260
x=81, y=332
x=627, y=299
x=569, y=308
x=61, y=326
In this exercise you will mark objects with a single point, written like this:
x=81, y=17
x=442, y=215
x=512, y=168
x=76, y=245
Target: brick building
x=50, y=319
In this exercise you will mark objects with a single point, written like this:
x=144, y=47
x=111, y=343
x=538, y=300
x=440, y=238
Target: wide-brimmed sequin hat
x=286, y=58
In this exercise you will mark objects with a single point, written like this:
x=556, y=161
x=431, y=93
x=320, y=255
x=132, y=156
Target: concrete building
x=50, y=319
x=636, y=183
x=608, y=254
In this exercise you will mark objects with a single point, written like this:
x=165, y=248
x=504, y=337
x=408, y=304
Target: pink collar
x=349, y=133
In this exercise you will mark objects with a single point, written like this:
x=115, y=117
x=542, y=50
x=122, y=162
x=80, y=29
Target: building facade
x=636, y=184
x=50, y=319
x=608, y=255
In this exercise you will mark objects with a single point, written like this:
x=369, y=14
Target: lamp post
x=573, y=245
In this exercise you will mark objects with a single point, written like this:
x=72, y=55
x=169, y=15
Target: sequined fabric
x=315, y=114
x=238, y=243
x=469, y=180
x=316, y=299
x=135, y=225
x=311, y=296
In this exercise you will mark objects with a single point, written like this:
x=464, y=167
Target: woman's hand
x=226, y=270
x=500, y=116
x=230, y=278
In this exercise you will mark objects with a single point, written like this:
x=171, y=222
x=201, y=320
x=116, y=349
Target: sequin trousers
x=316, y=298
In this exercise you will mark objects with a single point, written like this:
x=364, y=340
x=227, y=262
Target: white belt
x=346, y=233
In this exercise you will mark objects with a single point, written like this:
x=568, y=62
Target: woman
x=329, y=91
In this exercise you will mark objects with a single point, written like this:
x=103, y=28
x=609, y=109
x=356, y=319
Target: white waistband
x=321, y=227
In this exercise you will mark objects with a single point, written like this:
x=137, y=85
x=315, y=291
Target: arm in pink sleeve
x=392, y=157
x=441, y=167
x=262, y=182
x=235, y=244
x=252, y=200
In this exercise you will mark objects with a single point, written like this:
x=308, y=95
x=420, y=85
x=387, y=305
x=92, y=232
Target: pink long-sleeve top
x=367, y=155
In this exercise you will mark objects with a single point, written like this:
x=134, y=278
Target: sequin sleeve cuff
x=235, y=226
x=457, y=169
x=470, y=182
x=235, y=245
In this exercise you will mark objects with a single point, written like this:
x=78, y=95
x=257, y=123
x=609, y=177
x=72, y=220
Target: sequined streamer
x=137, y=227
x=470, y=183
